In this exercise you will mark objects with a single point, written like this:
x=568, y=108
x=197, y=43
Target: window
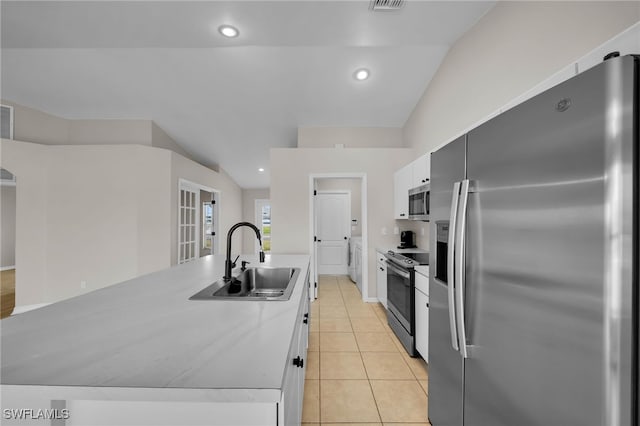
x=263, y=222
x=6, y=122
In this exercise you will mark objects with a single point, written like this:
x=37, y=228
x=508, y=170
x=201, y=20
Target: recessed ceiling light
x=228, y=31
x=361, y=74
x=261, y=169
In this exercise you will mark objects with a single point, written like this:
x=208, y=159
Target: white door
x=333, y=229
x=188, y=223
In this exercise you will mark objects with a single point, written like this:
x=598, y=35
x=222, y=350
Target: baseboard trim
x=371, y=300
x=7, y=268
x=26, y=308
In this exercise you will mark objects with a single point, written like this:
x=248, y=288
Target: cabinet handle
x=297, y=361
x=401, y=214
x=427, y=304
x=382, y=269
x=306, y=319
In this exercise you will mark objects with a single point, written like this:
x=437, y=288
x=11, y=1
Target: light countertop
x=145, y=333
x=422, y=269
x=395, y=249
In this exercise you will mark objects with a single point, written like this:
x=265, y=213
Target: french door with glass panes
x=188, y=220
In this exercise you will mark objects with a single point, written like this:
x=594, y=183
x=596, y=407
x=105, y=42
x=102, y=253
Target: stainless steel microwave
x=419, y=203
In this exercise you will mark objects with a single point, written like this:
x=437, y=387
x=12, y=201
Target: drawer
x=422, y=284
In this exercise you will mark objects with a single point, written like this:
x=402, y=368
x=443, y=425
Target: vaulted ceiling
x=228, y=100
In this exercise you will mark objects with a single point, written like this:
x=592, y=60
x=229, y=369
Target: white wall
x=99, y=214
x=515, y=46
x=89, y=214
x=28, y=163
x=160, y=139
x=32, y=125
x=100, y=132
x=230, y=201
x=290, y=194
x=351, y=137
x=249, y=197
x=354, y=187
x=7, y=225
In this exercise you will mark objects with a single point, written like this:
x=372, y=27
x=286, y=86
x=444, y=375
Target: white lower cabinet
x=422, y=315
x=381, y=278
x=290, y=410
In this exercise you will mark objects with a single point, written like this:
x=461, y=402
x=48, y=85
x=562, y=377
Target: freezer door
x=446, y=367
x=539, y=289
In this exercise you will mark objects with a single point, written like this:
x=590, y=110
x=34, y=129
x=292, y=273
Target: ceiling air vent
x=385, y=5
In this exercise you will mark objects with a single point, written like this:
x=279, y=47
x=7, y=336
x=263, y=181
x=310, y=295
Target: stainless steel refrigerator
x=534, y=271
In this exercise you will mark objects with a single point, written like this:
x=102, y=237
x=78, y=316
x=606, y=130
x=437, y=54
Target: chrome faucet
x=228, y=264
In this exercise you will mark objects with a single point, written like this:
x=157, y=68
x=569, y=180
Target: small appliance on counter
x=406, y=240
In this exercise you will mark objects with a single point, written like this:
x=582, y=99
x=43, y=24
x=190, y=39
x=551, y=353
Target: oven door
x=400, y=294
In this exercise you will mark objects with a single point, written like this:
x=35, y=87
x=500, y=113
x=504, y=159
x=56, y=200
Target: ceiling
x=228, y=101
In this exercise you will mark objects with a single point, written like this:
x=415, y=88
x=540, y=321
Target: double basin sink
x=261, y=283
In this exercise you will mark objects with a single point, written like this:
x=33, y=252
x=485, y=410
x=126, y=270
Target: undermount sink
x=261, y=283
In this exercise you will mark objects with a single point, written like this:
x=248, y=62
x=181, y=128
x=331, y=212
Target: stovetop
x=408, y=260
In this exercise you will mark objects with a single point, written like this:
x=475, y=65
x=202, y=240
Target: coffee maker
x=406, y=240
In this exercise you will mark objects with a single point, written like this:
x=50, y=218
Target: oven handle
x=403, y=274
x=451, y=265
x=460, y=266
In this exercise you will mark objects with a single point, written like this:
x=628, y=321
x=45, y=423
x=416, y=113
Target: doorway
x=360, y=226
x=8, y=238
x=263, y=222
x=333, y=231
x=198, y=215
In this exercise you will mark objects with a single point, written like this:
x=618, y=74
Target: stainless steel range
x=400, y=295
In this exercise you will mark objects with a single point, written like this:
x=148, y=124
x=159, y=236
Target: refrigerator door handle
x=460, y=278
x=451, y=265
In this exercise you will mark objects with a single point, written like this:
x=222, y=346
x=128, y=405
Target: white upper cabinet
x=410, y=176
x=402, y=181
x=420, y=170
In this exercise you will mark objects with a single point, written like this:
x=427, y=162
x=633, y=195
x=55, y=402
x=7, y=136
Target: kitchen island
x=141, y=352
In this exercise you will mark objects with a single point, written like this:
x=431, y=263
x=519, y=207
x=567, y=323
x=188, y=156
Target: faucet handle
x=233, y=264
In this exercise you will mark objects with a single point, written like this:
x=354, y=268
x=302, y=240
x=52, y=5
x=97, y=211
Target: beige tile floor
x=358, y=372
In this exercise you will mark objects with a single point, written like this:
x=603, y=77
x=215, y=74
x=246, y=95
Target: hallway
x=357, y=370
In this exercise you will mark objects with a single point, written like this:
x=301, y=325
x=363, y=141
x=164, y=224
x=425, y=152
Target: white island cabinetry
x=293, y=389
x=142, y=353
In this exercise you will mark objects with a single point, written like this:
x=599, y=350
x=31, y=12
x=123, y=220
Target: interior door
x=333, y=229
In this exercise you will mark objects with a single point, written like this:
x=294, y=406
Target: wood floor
x=7, y=292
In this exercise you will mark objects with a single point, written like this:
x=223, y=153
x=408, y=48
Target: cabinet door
x=381, y=282
x=422, y=324
x=292, y=397
x=402, y=182
x=420, y=173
